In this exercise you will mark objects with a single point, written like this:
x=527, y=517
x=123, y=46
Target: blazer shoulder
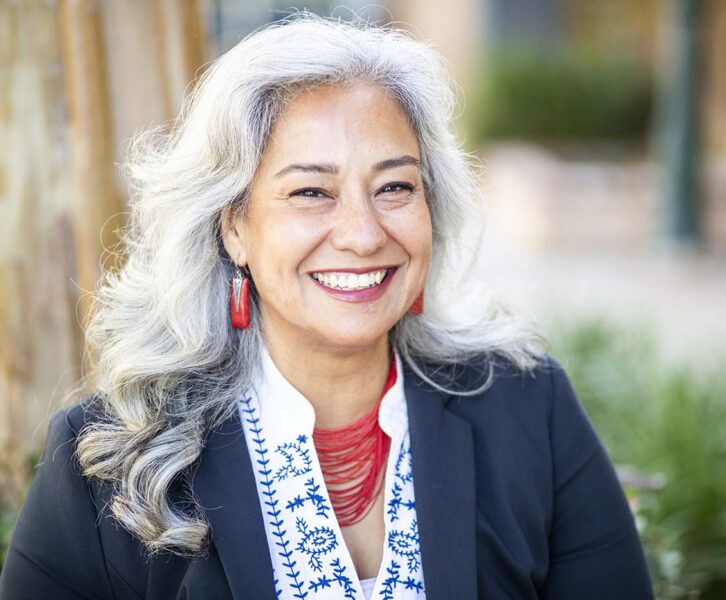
x=492, y=390
x=86, y=411
x=490, y=374
x=543, y=380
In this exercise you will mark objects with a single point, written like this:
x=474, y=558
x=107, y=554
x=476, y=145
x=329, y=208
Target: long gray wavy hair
x=169, y=367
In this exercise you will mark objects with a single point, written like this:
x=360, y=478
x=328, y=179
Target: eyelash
x=305, y=192
x=405, y=186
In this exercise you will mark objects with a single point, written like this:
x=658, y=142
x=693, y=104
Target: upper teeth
x=351, y=281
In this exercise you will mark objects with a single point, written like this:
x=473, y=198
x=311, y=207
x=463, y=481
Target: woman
x=282, y=411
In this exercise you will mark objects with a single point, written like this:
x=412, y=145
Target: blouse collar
x=287, y=413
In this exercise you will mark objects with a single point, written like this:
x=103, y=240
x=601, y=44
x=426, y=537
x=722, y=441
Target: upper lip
x=356, y=270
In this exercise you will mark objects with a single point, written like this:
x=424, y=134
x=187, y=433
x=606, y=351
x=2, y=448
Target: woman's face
x=337, y=237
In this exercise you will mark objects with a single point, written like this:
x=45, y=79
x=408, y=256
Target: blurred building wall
x=455, y=28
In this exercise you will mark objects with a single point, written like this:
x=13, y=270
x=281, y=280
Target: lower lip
x=363, y=295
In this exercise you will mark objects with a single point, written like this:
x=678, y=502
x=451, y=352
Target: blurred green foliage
x=669, y=423
x=572, y=94
x=16, y=469
x=7, y=522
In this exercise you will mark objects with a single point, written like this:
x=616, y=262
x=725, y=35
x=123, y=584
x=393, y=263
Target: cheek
x=279, y=245
x=412, y=230
x=425, y=230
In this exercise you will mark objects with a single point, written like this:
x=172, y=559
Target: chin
x=352, y=337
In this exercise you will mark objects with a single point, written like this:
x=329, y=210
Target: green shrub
x=566, y=95
x=668, y=422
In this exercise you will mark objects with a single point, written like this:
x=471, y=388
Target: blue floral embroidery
x=404, y=463
x=339, y=577
x=393, y=580
x=312, y=496
x=315, y=542
x=403, y=543
x=322, y=582
x=390, y=582
x=297, y=459
x=403, y=474
x=271, y=502
x=406, y=545
x=342, y=579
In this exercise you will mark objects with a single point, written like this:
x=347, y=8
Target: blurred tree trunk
x=97, y=206
x=77, y=79
x=40, y=343
x=108, y=47
x=181, y=33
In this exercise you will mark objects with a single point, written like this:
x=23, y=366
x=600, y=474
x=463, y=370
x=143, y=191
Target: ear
x=233, y=236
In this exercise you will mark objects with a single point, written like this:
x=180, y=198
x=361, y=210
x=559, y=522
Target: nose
x=358, y=227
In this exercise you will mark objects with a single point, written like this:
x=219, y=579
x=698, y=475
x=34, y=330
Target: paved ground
x=681, y=297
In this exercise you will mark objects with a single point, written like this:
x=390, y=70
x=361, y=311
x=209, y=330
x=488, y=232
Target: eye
x=309, y=193
x=396, y=188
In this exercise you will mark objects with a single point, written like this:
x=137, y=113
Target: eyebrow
x=309, y=168
x=401, y=161
x=332, y=169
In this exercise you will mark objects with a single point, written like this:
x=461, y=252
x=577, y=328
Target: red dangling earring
x=239, y=301
x=418, y=306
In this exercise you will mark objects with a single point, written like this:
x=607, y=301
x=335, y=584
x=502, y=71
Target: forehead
x=341, y=123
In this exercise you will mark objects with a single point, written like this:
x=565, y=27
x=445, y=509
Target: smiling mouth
x=346, y=281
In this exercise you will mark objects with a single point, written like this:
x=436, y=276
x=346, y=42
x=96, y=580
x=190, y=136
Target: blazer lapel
x=225, y=485
x=442, y=451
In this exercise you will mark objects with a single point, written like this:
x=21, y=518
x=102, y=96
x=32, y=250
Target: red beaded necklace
x=351, y=458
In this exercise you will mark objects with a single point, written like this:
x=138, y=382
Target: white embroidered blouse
x=310, y=560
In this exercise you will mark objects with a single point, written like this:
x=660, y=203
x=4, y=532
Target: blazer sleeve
x=594, y=547
x=55, y=550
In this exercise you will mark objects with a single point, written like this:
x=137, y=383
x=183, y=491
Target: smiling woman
x=277, y=411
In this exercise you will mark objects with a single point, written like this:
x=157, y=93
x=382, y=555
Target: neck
x=342, y=385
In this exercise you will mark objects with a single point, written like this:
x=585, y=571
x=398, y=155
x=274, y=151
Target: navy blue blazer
x=515, y=498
